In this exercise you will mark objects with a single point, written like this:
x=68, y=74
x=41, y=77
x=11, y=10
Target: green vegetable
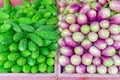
x=14, y=25
x=25, y=20
x=48, y=34
x=26, y=27
x=52, y=20
x=52, y=54
x=41, y=59
x=53, y=46
x=47, y=15
x=23, y=44
x=36, y=3
x=9, y=64
x=50, y=61
x=36, y=39
x=34, y=69
x=3, y=48
x=47, y=42
x=4, y=70
x=18, y=7
x=16, y=69
x=42, y=67
x=3, y=56
x=7, y=6
x=50, y=69
x=18, y=36
x=21, y=61
x=26, y=53
x=19, y=13
x=2, y=62
x=32, y=46
x=44, y=50
x=13, y=56
x=26, y=68
x=13, y=47
x=40, y=23
x=31, y=14
x=3, y=16
x=51, y=9
x=31, y=61
x=36, y=17
x=47, y=28
x=26, y=3
x=35, y=54
x=5, y=28
x=7, y=40
x=28, y=10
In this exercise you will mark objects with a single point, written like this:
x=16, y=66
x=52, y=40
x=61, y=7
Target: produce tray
x=30, y=76
x=66, y=76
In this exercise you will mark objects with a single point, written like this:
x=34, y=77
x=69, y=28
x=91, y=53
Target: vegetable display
x=28, y=37
x=90, y=36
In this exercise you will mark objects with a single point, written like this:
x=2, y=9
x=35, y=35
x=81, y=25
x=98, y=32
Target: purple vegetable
x=69, y=41
x=104, y=13
x=115, y=19
x=61, y=3
x=87, y=58
x=100, y=44
x=114, y=29
x=86, y=44
x=107, y=61
x=109, y=41
x=116, y=37
x=78, y=50
x=116, y=60
x=115, y=5
x=91, y=14
x=70, y=69
x=61, y=42
x=116, y=45
x=94, y=26
x=60, y=29
x=97, y=61
x=82, y=19
x=63, y=25
x=119, y=69
x=72, y=8
x=94, y=51
x=67, y=51
x=64, y=61
x=60, y=16
x=80, y=69
x=71, y=1
x=92, y=36
x=109, y=51
x=61, y=9
x=96, y=6
x=78, y=36
x=104, y=23
x=103, y=2
x=103, y=33
x=102, y=69
x=65, y=33
x=70, y=18
x=84, y=8
x=91, y=69
x=74, y=28
x=112, y=70
x=85, y=29
x=75, y=60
